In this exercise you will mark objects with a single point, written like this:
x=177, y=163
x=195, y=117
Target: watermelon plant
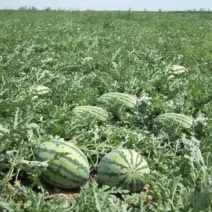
x=108, y=60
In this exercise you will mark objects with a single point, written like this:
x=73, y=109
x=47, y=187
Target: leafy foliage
x=75, y=57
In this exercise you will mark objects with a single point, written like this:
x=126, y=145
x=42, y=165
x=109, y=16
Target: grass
x=82, y=55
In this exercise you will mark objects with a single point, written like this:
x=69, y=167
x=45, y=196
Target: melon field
x=103, y=81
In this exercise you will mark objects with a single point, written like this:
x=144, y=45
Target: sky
x=150, y=5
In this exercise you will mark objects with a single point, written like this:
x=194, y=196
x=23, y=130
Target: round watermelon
x=68, y=166
x=94, y=112
x=123, y=168
x=124, y=99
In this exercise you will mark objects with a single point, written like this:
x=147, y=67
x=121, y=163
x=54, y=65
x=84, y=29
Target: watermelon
x=40, y=90
x=68, y=166
x=124, y=99
x=181, y=119
x=177, y=69
x=94, y=112
x=123, y=168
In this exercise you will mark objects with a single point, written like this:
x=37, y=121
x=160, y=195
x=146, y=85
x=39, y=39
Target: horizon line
x=32, y=8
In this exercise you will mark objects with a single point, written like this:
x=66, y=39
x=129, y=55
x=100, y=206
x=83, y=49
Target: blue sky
x=109, y=4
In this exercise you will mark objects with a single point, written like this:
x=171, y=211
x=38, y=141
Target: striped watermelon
x=91, y=111
x=177, y=69
x=68, y=166
x=123, y=168
x=40, y=90
x=124, y=99
x=181, y=119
